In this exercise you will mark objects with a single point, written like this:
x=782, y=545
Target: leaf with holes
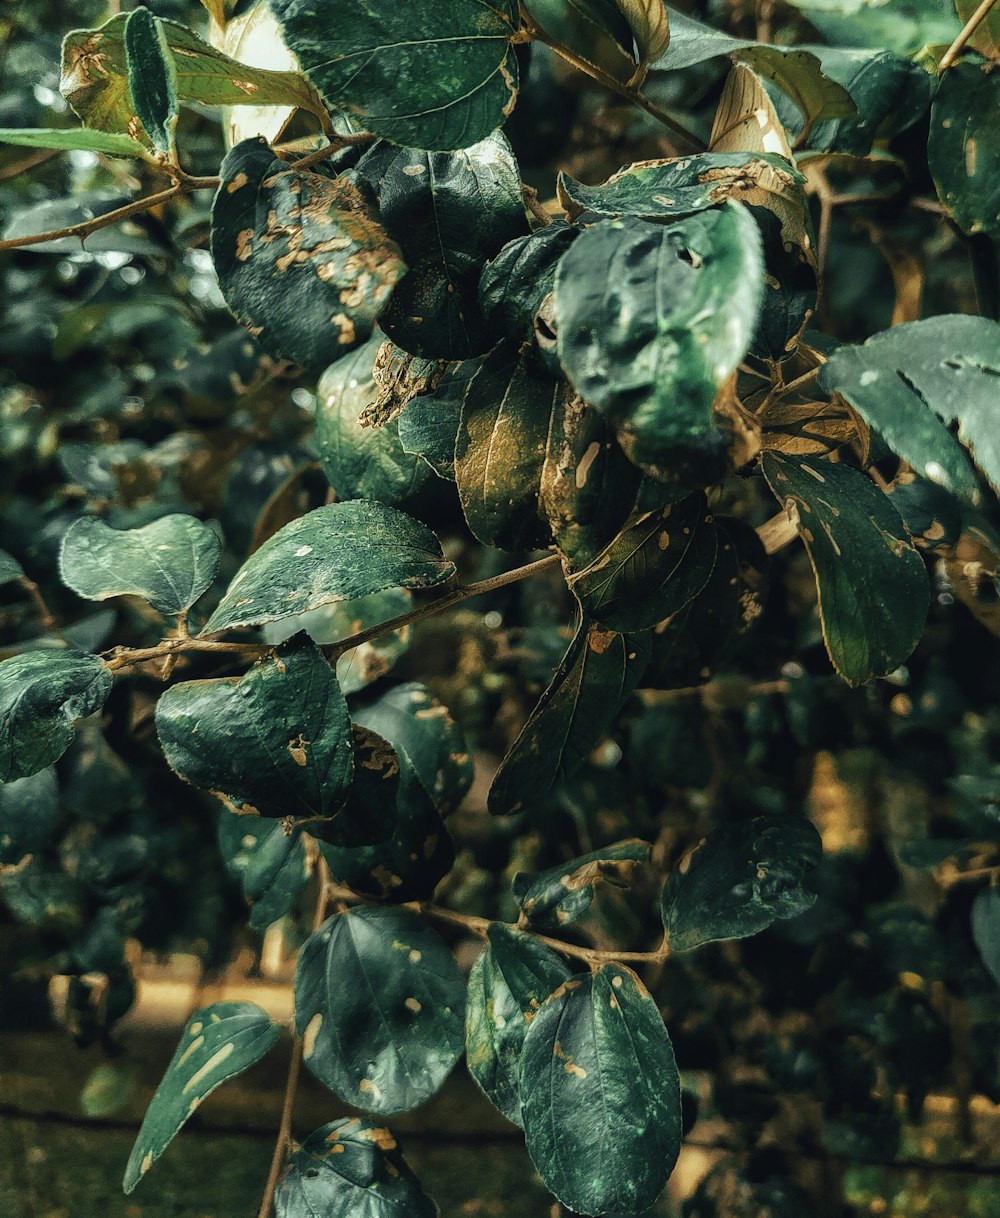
x=388, y=1042
x=218, y=1042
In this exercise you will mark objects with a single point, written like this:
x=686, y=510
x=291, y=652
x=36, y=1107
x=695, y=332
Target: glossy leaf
x=600, y=1094
x=515, y=284
x=302, y=261
x=475, y=197
x=29, y=808
x=962, y=148
x=652, y=569
x=872, y=584
x=350, y=1168
x=509, y=981
x=152, y=79
x=68, y=138
x=334, y=553
x=169, y=562
x=651, y=320
x=562, y=894
x=270, y=863
x=218, y=1042
x=597, y=673
x=913, y=382
x=42, y=694
x=386, y=1045
x=742, y=878
x=275, y=742
x=436, y=74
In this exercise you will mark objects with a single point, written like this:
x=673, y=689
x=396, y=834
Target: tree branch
x=970, y=27
x=86, y=227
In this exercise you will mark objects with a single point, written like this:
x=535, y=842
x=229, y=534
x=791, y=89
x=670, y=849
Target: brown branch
x=38, y=157
x=44, y=612
x=970, y=27
x=86, y=227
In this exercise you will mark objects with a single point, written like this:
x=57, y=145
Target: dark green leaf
x=42, y=694
x=336, y=553
x=508, y=983
x=514, y=285
x=873, y=587
x=500, y=450
x=429, y=424
x=169, y=563
x=370, y=813
x=275, y=742
x=219, y=1042
x=600, y=1094
x=151, y=78
x=302, y=261
x=651, y=320
x=562, y=894
x=962, y=150
x=437, y=74
x=986, y=930
x=387, y=1043
x=911, y=383
x=933, y=518
x=362, y=462
x=741, y=879
x=598, y=672
x=450, y=212
x=270, y=863
x=351, y=1169
x=73, y=138
x=652, y=569
x=29, y=808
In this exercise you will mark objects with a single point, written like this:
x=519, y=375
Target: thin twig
x=970, y=27
x=44, y=612
x=38, y=157
x=86, y=227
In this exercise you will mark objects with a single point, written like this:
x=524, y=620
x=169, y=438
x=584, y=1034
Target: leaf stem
x=970, y=27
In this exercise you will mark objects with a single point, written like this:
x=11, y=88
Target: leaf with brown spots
x=962, y=151
x=302, y=261
x=564, y=893
x=600, y=1094
x=872, y=585
x=218, y=1042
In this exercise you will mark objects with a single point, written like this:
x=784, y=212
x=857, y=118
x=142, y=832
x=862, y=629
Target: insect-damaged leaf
x=564, y=893
x=449, y=212
x=276, y=741
x=386, y=1045
x=873, y=587
x=335, y=553
x=437, y=74
x=651, y=320
x=169, y=562
x=598, y=672
x=302, y=261
x=271, y=864
x=508, y=983
x=652, y=569
x=351, y=1168
x=42, y=694
x=152, y=79
x=962, y=148
x=600, y=1094
x=911, y=383
x=29, y=808
x=218, y=1042
x=741, y=879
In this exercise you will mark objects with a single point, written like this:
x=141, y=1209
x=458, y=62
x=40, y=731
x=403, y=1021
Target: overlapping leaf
x=152, y=78
x=270, y=863
x=562, y=894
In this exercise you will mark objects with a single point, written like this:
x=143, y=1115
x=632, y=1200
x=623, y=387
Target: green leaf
x=741, y=879
x=42, y=694
x=913, y=382
x=598, y=672
x=437, y=74
x=429, y=424
x=595, y=30
x=904, y=26
x=651, y=321
x=73, y=138
x=986, y=930
x=516, y=285
x=652, y=569
x=500, y=450
x=508, y=983
x=932, y=516
x=386, y=1045
x=169, y=562
x=10, y=569
x=270, y=863
x=275, y=742
x=302, y=261
x=351, y=1168
x=362, y=462
x=872, y=584
x=600, y=1094
x=962, y=151
x=151, y=78
x=370, y=814
x=29, y=808
x=562, y=894
x=335, y=553
x=219, y=1042
x=450, y=212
